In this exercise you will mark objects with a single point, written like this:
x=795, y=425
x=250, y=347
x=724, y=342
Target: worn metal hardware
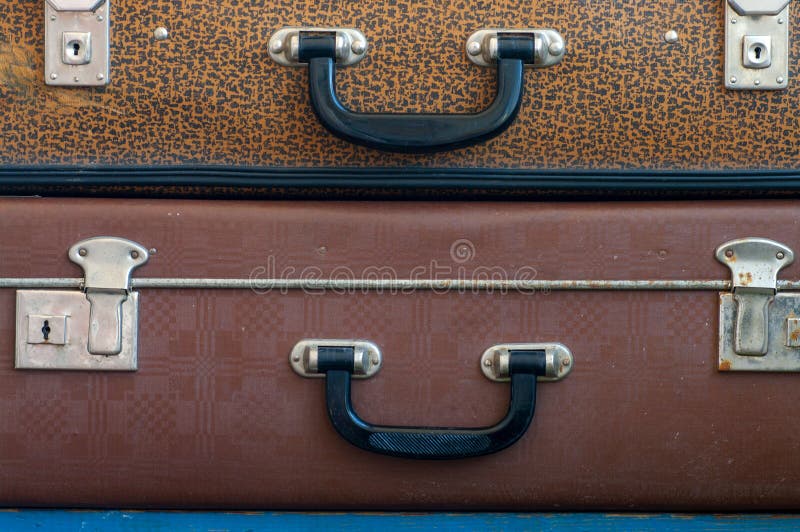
x=757, y=44
x=783, y=338
x=67, y=314
x=67, y=329
x=284, y=45
x=366, y=362
x=549, y=46
x=107, y=263
x=754, y=265
x=495, y=361
x=77, y=42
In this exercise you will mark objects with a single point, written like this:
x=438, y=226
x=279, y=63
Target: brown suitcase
x=216, y=418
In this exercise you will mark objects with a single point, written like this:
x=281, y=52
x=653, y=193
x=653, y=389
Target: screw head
x=556, y=48
x=161, y=33
x=729, y=253
x=358, y=47
x=671, y=36
x=780, y=255
x=134, y=254
x=474, y=48
x=82, y=252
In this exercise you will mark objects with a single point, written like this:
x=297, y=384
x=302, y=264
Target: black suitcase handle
x=416, y=133
x=424, y=442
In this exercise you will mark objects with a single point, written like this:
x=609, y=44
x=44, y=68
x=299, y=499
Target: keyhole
x=46, y=330
x=76, y=48
x=757, y=52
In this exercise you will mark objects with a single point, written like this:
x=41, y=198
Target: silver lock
x=95, y=328
x=757, y=44
x=77, y=42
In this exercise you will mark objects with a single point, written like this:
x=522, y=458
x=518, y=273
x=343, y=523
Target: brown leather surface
x=623, y=97
x=215, y=417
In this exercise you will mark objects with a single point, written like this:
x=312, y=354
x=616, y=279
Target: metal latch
x=759, y=326
x=76, y=42
x=94, y=328
x=757, y=44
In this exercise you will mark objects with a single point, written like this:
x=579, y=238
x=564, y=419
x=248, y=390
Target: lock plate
x=66, y=346
x=756, y=46
x=783, y=339
x=76, y=43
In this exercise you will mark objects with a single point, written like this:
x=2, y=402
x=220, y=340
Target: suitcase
x=217, y=417
x=167, y=347
x=196, y=99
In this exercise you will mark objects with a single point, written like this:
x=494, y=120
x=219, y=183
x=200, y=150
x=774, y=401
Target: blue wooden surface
x=12, y=520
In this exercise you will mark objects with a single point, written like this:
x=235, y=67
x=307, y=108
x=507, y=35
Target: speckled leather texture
x=622, y=98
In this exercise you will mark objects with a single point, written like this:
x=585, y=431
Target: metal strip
x=397, y=284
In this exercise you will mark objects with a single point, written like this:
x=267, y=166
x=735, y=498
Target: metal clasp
x=77, y=42
x=95, y=328
x=754, y=263
x=757, y=44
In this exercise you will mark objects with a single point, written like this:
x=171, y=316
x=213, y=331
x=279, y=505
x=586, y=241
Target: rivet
x=487, y=362
x=733, y=21
x=780, y=21
x=780, y=255
x=358, y=47
x=153, y=251
x=276, y=46
x=52, y=17
x=82, y=252
x=76, y=79
x=733, y=79
x=134, y=254
x=100, y=18
x=101, y=77
x=161, y=33
x=556, y=48
x=780, y=79
x=376, y=360
x=671, y=36
x=729, y=253
x=474, y=48
x=53, y=76
x=566, y=362
x=757, y=82
x=296, y=358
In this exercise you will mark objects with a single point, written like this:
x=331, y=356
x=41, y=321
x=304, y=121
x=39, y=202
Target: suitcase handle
x=416, y=133
x=430, y=443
